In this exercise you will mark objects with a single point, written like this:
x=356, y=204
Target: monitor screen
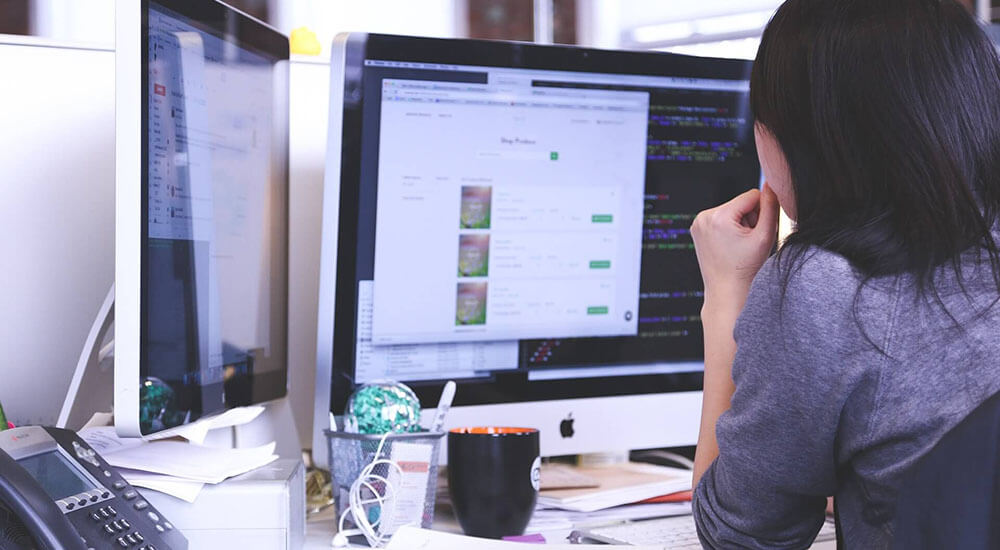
x=215, y=202
x=519, y=217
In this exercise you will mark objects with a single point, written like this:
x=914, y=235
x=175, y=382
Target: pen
x=447, y=396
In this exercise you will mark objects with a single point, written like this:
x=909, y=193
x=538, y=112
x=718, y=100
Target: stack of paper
x=177, y=468
x=617, y=485
x=411, y=538
x=550, y=519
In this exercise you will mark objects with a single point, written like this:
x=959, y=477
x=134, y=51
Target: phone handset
x=39, y=515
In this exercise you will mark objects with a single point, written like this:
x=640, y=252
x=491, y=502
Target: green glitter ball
x=384, y=406
x=157, y=406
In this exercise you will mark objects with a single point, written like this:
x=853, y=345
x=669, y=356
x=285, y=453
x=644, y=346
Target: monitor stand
x=91, y=391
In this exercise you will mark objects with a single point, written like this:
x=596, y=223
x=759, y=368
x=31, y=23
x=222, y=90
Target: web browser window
x=514, y=212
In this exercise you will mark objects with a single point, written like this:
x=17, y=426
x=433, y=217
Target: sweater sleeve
x=793, y=373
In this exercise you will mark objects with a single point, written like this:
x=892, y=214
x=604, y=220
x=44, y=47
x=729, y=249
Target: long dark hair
x=888, y=112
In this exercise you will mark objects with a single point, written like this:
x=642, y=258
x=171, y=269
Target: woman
x=835, y=364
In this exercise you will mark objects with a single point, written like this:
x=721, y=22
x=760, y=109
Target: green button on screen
x=601, y=218
x=600, y=264
x=597, y=310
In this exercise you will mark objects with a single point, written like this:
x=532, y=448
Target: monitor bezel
x=338, y=355
x=131, y=159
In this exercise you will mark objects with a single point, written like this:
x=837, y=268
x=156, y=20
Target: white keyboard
x=673, y=532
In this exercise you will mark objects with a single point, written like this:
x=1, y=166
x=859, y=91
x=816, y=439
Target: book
x=565, y=476
x=618, y=484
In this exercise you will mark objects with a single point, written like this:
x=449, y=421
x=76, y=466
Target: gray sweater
x=820, y=411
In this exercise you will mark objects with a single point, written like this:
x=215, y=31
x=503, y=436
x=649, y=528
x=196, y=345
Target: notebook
x=618, y=484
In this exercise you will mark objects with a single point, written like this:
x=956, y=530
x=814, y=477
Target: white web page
x=507, y=213
x=406, y=362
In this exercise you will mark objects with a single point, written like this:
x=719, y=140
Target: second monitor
x=516, y=217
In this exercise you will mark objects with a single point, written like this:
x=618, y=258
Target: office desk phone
x=56, y=492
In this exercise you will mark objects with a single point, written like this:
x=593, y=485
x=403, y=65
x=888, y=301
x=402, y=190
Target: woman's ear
x=775, y=167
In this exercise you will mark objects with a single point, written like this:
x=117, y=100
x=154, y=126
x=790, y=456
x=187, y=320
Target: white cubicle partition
x=57, y=189
x=57, y=185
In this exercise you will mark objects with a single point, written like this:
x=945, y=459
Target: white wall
x=76, y=21
x=57, y=186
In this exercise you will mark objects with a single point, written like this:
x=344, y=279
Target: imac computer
x=516, y=218
x=201, y=247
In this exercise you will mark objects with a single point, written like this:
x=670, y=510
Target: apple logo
x=566, y=426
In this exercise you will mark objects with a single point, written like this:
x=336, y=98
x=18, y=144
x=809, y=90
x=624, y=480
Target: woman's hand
x=732, y=241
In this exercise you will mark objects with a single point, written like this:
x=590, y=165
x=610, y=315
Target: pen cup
x=493, y=476
x=416, y=453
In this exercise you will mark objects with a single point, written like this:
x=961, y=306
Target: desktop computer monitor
x=516, y=218
x=201, y=249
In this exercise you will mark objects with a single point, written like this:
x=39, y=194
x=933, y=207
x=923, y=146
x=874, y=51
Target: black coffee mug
x=493, y=476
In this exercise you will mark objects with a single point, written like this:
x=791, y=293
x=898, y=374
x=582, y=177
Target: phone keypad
x=120, y=531
x=130, y=539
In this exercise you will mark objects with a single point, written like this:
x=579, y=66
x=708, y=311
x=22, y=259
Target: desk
x=321, y=527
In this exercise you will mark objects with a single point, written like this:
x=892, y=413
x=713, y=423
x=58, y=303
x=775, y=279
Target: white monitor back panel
x=309, y=99
x=56, y=215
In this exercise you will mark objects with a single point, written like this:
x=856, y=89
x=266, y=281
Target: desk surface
x=321, y=527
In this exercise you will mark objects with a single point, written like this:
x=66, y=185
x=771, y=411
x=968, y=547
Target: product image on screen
x=56, y=475
x=471, y=305
x=473, y=255
x=214, y=250
x=475, y=208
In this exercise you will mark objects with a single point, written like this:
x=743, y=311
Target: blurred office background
x=724, y=28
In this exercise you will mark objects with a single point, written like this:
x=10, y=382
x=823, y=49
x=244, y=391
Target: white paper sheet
x=409, y=485
x=105, y=440
x=183, y=489
x=197, y=431
x=100, y=419
x=192, y=462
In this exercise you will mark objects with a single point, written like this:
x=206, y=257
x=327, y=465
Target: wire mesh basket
x=416, y=455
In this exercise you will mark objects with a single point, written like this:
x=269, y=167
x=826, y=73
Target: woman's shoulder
x=811, y=305
x=809, y=272
x=814, y=290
